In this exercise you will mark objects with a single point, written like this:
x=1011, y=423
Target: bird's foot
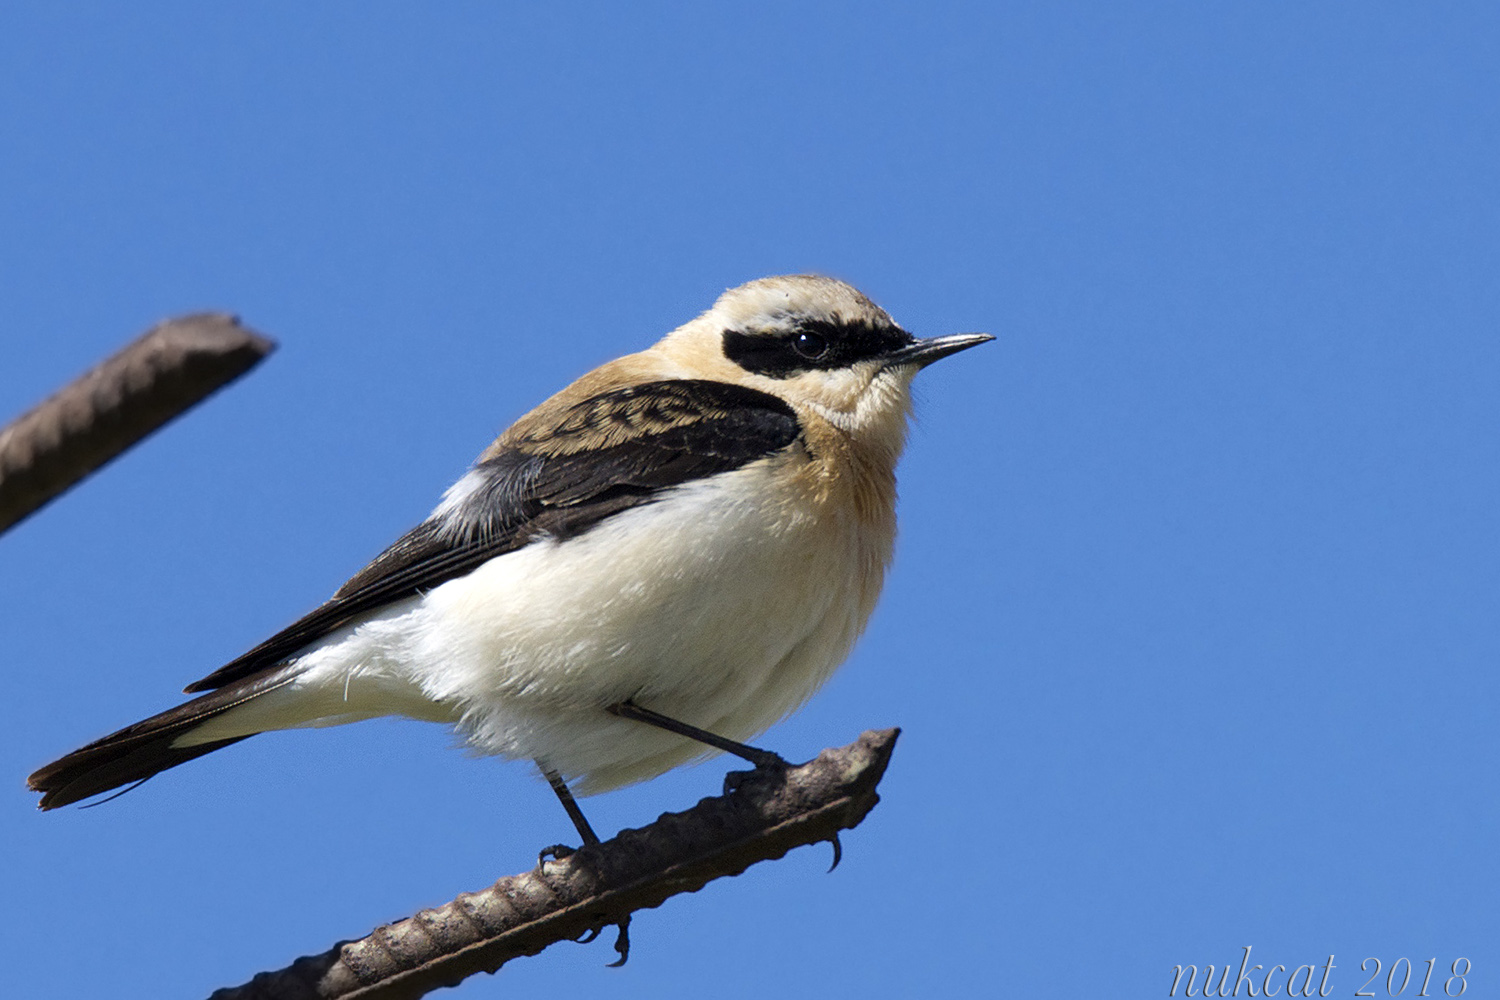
x=557, y=852
x=622, y=940
x=622, y=944
x=766, y=763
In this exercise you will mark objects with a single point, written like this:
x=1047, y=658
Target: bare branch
x=102, y=413
x=764, y=814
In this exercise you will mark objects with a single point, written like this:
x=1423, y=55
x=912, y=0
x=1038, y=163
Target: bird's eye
x=809, y=345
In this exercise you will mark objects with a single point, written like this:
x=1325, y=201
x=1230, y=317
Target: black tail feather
x=78, y=776
x=145, y=748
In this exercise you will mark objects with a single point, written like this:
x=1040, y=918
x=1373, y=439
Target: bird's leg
x=760, y=758
x=580, y=823
x=560, y=851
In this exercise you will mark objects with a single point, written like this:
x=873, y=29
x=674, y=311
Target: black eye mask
x=812, y=345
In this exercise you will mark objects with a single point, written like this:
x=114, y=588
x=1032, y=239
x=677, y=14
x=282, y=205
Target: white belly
x=706, y=606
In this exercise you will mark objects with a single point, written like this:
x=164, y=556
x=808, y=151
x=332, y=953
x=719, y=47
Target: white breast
x=712, y=605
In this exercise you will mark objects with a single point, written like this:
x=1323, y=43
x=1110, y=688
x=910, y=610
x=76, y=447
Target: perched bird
x=668, y=556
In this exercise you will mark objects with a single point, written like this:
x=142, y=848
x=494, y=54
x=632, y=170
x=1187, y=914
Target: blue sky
x=1192, y=627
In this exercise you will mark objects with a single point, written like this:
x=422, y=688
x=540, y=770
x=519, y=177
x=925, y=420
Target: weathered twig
x=766, y=814
x=96, y=417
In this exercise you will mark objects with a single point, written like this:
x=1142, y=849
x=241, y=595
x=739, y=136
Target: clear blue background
x=1193, y=625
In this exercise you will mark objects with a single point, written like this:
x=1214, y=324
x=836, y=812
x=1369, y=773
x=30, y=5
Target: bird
x=655, y=564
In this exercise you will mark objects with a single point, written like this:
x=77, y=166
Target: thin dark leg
x=760, y=758
x=570, y=805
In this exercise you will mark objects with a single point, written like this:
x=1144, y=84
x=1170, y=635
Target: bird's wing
x=608, y=453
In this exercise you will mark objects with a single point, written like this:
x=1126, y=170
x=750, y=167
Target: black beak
x=924, y=352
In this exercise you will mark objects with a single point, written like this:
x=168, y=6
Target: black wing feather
x=557, y=485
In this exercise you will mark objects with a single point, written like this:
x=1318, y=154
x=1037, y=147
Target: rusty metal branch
x=102, y=413
x=762, y=817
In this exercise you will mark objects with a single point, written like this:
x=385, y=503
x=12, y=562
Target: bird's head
x=815, y=342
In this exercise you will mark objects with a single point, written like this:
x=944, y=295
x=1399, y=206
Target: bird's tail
x=137, y=752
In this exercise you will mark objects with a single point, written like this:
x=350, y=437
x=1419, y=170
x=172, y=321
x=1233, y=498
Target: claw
x=838, y=851
x=734, y=779
x=622, y=944
x=589, y=935
x=767, y=763
x=557, y=852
